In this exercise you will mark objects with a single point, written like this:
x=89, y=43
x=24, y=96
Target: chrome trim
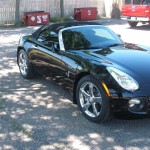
x=129, y=18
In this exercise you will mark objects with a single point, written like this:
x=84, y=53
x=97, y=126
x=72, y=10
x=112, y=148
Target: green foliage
x=1, y=105
x=57, y=20
x=17, y=126
x=21, y=23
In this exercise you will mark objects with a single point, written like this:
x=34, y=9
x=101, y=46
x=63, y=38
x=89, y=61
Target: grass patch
x=15, y=125
x=19, y=128
x=1, y=102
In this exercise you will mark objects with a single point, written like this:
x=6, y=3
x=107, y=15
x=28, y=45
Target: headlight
x=123, y=79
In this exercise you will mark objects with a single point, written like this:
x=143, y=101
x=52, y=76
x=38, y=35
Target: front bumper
x=121, y=101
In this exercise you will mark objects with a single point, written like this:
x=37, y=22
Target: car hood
x=130, y=58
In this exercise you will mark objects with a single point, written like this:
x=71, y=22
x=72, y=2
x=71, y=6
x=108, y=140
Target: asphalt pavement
x=39, y=115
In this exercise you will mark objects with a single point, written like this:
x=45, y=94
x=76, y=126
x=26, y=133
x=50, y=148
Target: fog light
x=133, y=102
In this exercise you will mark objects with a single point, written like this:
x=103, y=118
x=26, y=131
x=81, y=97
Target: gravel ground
x=37, y=114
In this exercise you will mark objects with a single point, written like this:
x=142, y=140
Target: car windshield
x=89, y=37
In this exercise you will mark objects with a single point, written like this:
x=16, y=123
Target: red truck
x=135, y=11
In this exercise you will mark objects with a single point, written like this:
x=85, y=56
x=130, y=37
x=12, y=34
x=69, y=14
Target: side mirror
x=55, y=47
x=119, y=35
x=120, y=38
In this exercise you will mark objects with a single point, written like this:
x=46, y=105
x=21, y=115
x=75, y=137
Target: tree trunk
x=61, y=8
x=108, y=7
x=17, y=12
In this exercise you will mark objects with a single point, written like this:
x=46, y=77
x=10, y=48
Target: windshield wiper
x=115, y=44
x=95, y=47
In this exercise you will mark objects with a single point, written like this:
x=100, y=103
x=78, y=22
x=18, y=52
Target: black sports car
x=102, y=73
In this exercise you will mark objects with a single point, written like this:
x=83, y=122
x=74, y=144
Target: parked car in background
x=135, y=11
x=102, y=73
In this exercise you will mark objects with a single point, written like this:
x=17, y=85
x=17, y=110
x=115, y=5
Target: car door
x=70, y=61
x=45, y=60
x=69, y=70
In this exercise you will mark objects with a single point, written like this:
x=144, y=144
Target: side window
x=136, y=2
x=127, y=1
x=67, y=39
x=146, y=2
x=47, y=38
x=75, y=40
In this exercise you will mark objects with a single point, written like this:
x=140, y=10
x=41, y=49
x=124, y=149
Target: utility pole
x=17, y=12
x=61, y=8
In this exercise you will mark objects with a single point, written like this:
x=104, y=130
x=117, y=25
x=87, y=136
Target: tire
x=132, y=23
x=25, y=67
x=92, y=100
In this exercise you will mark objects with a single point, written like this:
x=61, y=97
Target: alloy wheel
x=23, y=63
x=90, y=99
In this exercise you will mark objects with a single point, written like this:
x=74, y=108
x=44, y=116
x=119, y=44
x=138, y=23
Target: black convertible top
x=56, y=27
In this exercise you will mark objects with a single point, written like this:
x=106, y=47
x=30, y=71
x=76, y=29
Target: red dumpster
x=36, y=18
x=89, y=13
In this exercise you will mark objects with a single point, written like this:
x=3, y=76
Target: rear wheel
x=132, y=23
x=92, y=100
x=25, y=67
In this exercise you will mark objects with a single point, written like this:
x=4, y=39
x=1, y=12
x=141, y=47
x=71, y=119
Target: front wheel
x=25, y=67
x=132, y=23
x=92, y=99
